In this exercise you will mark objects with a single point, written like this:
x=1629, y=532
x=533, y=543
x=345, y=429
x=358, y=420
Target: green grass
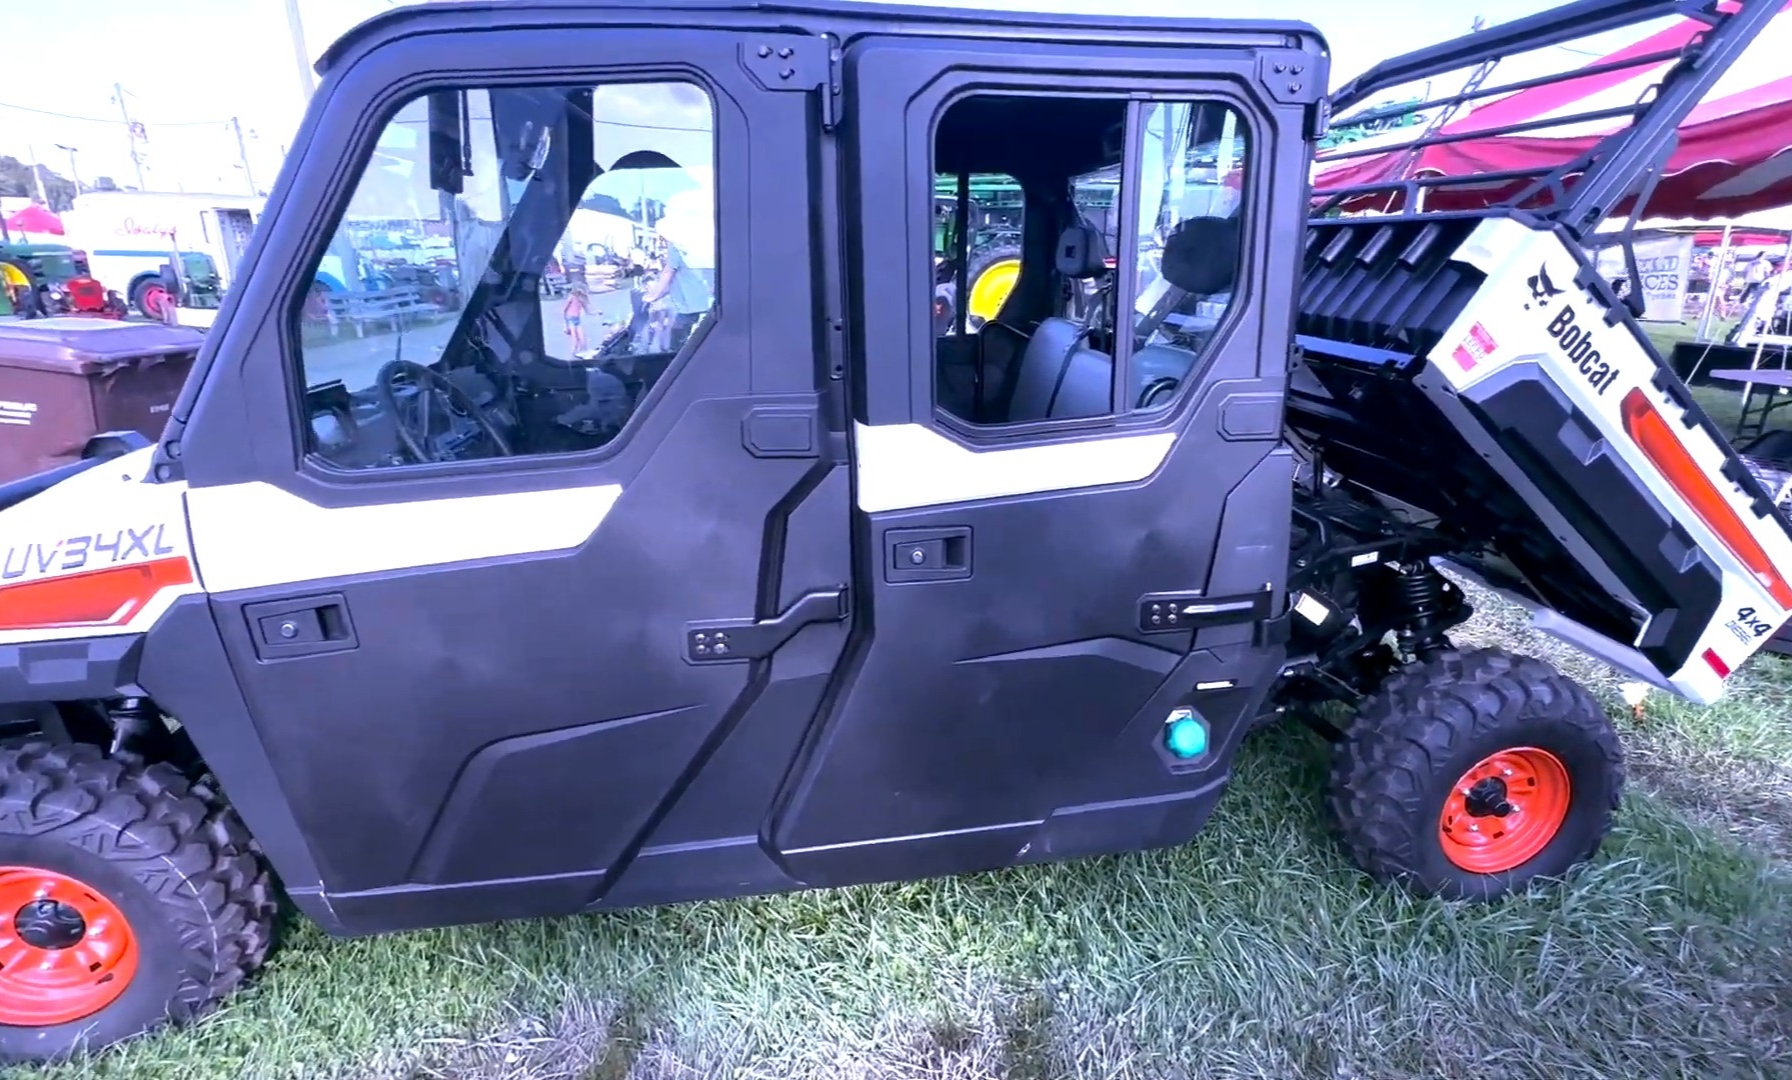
x=1254, y=951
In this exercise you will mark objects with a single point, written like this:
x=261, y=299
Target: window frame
x=1221, y=90
x=365, y=143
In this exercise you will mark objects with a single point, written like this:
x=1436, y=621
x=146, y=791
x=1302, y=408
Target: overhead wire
x=112, y=120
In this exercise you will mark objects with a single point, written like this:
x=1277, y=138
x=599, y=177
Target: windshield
x=52, y=265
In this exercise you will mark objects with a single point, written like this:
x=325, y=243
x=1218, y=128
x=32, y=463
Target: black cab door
x=1098, y=536
x=516, y=425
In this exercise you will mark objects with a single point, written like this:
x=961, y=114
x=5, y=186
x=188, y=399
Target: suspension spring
x=1427, y=606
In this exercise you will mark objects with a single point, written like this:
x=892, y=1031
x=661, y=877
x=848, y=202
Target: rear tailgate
x=1475, y=369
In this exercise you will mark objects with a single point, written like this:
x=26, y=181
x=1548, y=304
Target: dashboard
x=545, y=407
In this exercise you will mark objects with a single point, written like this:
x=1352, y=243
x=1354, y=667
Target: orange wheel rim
x=1504, y=810
x=66, y=951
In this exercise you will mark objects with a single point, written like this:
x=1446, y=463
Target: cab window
x=1057, y=346
x=514, y=272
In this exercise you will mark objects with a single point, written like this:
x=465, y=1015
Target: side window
x=1191, y=178
x=514, y=272
x=1051, y=356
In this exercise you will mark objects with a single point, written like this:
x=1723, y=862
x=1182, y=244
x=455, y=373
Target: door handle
x=303, y=626
x=940, y=554
x=731, y=640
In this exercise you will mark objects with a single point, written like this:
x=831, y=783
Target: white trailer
x=129, y=235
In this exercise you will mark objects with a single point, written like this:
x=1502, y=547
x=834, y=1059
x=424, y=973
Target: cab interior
x=1049, y=351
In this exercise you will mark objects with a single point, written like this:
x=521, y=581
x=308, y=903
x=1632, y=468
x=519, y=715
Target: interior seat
x=1060, y=375
x=1199, y=258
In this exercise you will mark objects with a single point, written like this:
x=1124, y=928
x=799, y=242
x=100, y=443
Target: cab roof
x=852, y=15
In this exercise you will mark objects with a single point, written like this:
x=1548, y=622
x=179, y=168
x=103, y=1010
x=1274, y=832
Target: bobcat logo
x=1541, y=288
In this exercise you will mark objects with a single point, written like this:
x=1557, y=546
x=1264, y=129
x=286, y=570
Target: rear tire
x=112, y=842
x=1474, y=774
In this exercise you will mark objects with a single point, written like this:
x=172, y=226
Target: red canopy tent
x=35, y=219
x=1735, y=152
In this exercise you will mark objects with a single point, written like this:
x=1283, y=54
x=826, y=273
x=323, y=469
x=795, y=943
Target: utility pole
x=74, y=171
x=242, y=152
x=130, y=132
x=37, y=174
x=296, y=27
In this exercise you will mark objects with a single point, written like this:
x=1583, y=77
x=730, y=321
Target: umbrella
x=1734, y=154
x=35, y=219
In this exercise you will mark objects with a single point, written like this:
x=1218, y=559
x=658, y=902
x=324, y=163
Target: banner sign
x=1664, y=266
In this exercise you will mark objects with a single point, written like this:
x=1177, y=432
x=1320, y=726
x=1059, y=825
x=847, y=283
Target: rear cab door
x=1043, y=590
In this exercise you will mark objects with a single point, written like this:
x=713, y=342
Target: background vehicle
x=37, y=280
x=987, y=248
x=128, y=235
x=460, y=623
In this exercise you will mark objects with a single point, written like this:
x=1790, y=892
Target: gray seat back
x=1059, y=375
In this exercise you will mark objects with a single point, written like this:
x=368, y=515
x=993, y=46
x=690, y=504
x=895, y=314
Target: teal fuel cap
x=1185, y=733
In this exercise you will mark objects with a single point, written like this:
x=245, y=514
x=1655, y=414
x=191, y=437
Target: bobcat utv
x=457, y=621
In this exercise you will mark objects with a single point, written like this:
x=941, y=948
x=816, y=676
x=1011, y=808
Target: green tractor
x=989, y=244
x=51, y=279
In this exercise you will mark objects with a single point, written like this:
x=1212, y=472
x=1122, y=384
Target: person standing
x=675, y=300
x=1754, y=279
x=577, y=306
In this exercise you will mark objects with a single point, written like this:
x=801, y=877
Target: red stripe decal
x=109, y=597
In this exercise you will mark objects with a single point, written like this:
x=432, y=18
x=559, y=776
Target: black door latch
x=732, y=640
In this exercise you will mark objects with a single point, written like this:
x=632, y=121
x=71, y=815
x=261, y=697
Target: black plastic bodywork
x=98, y=450
x=539, y=734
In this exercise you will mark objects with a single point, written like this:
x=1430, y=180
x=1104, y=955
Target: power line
x=104, y=120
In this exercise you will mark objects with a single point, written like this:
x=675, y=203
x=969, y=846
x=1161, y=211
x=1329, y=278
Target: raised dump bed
x=1475, y=369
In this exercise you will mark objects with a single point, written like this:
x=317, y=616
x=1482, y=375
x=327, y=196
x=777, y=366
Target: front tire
x=150, y=299
x=1471, y=775
x=128, y=898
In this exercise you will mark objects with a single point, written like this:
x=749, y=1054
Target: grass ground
x=1254, y=951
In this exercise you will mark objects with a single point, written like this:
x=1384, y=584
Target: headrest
x=1200, y=255
x=1081, y=252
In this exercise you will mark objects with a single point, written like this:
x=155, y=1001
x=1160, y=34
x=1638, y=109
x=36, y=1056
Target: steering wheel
x=431, y=385
x=1157, y=391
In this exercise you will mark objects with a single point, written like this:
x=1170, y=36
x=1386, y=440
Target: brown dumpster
x=63, y=380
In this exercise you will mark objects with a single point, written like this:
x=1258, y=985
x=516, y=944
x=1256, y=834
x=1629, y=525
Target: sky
x=188, y=67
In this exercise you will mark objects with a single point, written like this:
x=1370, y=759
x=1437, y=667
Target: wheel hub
x=1504, y=810
x=49, y=924
x=66, y=950
x=1487, y=798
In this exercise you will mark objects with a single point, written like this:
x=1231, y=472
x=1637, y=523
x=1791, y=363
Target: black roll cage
x=1624, y=163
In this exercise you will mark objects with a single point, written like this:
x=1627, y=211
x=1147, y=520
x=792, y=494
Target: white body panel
x=1531, y=311
x=248, y=536
x=906, y=466
x=97, y=520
